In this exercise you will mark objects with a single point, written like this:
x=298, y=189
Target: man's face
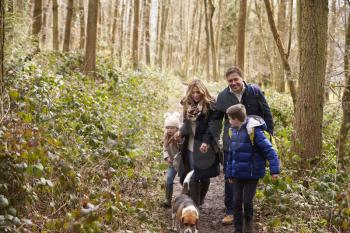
x=235, y=82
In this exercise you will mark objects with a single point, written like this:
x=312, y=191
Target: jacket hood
x=254, y=121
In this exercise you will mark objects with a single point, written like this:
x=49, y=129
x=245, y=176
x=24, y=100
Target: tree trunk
x=332, y=48
x=2, y=42
x=147, y=32
x=309, y=106
x=207, y=40
x=164, y=19
x=114, y=27
x=345, y=125
x=262, y=38
x=135, y=35
x=281, y=50
x=281, y=28
x=91, y=34
x=10, y=6
x=20, y=7
x=44, y=27
x=212, y=41
x=121, y=36
x=68, y=28
x=241, y=34
x=37, y=21
x=55, y=35
x=218, y=37
x=82, y=24
x=197, y=53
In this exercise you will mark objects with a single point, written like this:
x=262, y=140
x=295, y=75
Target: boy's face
x=171, y=130
x=235, y=122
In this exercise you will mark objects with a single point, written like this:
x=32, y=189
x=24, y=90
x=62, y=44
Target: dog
x=185, y=214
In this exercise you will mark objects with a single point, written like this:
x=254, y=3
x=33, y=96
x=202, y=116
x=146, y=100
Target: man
x=255, y=103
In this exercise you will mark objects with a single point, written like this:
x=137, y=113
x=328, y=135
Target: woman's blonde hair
x=206, y=101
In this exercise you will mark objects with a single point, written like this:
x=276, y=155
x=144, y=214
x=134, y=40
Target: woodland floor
x=213, y=209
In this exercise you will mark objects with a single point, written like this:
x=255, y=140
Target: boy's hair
x=234, y=69
x=237, y=111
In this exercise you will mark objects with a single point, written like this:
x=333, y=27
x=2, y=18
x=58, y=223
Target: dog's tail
x=186, y=184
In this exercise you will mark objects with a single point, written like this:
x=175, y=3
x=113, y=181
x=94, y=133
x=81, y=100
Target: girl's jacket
x=246, y=161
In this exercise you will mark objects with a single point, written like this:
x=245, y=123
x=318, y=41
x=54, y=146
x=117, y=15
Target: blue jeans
x=229, y=189
x=244, y=193
x=170, y=176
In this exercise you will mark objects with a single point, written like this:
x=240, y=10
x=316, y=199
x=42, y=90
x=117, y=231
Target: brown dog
x=185, y=215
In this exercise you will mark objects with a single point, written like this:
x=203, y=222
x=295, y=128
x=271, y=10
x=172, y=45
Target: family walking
x=242, y=113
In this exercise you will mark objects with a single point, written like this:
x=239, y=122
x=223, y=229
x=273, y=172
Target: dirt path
x=213, y=208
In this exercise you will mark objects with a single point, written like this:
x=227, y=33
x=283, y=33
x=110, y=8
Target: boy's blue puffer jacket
x=244, y=162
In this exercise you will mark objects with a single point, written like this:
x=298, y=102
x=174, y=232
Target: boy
x=246, y=162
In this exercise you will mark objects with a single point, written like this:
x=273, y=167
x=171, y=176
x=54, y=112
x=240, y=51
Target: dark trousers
x=244, y=192
x=228, y=189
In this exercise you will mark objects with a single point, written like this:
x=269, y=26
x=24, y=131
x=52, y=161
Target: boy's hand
x=274, y=177
x=232, y=180
x=204, y=148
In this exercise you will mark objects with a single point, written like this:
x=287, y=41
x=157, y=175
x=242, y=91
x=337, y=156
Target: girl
x=171, y=148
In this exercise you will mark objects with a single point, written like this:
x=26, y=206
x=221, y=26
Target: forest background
x=84, y=85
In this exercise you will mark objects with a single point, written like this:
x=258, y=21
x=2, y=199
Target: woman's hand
x=204, y=148
x=177, y=136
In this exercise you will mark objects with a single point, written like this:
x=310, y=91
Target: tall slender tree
x=55, y=29
x=147, y=32
x=2, y=42
x=114, y=26
x=241, y=34
x=82, y=24
x=91, y=36
x=68, y=28
x=313, y=24
x=37, y=21
x=284, y=56
x=135, y=36
x=345, y=125
x=281, y=27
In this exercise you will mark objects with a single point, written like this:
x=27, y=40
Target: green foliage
x=79, y=152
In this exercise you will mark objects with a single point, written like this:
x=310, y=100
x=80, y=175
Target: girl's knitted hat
x=172, y=119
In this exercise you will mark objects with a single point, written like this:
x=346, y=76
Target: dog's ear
x=182, y=221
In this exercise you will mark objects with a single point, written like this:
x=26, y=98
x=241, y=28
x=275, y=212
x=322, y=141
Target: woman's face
x=196, y=95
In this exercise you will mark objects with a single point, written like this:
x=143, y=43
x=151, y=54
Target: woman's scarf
x=194, y=110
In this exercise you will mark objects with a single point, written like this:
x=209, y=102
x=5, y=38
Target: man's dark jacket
x=255, y=103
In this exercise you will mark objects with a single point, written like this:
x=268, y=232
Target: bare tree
x=82, y=24
x=135, y=36
x=283, y=54
x=44, y=24
x=91, y=36
x=37, y=21
x=345, y=125
x=68, y=28
x=212, y=41
x=121, y=36
x=2, y=41
x=281, y=27
x=241, y=34
x=313, y=25
x=163, y=26
x=114, y=26
x=55, y=30
x=147, y=32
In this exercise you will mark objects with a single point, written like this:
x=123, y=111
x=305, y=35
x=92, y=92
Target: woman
x=199, y=145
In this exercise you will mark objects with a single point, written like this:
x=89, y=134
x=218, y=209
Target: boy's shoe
x=227, y=220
